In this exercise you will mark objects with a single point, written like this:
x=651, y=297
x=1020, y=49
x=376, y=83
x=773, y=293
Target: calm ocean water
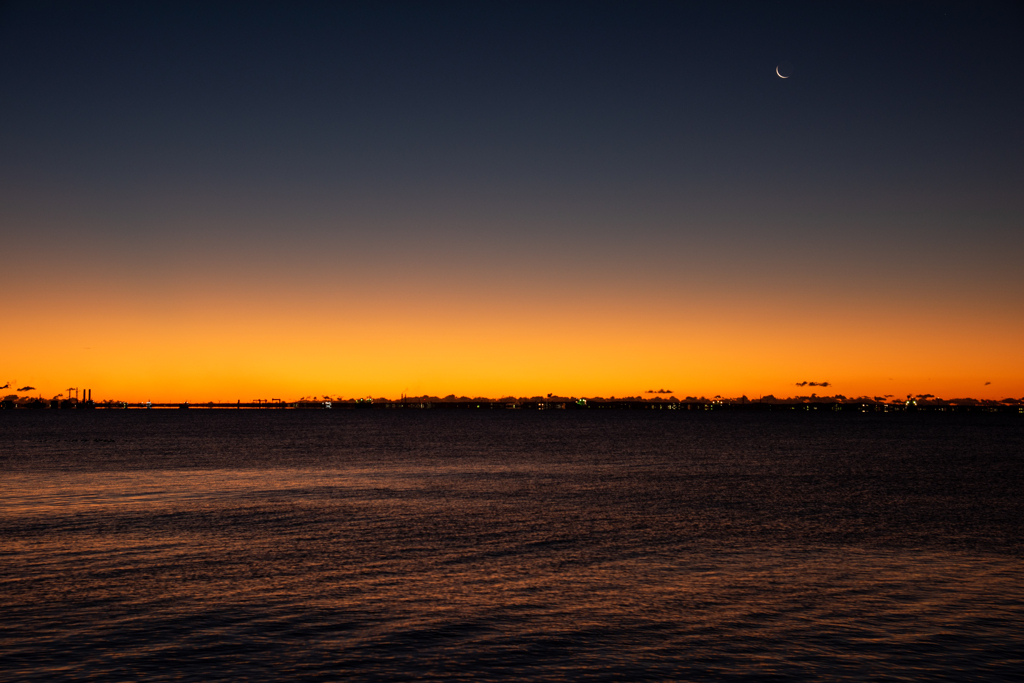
x=485, y=545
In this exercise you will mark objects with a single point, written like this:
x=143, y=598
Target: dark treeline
x=829, y=403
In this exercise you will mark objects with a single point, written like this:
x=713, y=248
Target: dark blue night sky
x=609, y=142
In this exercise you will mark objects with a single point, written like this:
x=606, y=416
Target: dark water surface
x=575, y=545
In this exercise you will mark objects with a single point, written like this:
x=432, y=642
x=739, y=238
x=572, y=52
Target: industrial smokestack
x=90, y=395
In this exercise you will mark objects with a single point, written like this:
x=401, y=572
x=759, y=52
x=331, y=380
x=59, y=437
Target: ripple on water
x=792, y=555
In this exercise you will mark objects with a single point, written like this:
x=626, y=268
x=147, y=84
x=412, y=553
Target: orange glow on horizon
x=220, y=345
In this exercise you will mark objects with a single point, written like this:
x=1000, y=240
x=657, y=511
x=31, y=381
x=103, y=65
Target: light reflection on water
x=648, y=562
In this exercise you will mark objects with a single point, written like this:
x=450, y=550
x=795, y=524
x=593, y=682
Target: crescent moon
x=778, y=74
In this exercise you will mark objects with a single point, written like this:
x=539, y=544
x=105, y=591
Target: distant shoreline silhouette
x=837, y=402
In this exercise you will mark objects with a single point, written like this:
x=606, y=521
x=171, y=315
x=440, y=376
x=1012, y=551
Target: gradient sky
x=220, y=201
